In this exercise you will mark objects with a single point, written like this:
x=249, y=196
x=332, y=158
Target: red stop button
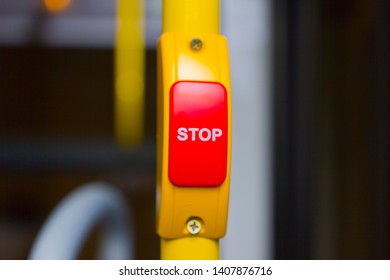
x=198, y=134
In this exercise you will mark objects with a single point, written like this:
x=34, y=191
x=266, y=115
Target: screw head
x=196, y=44
x=194, y=226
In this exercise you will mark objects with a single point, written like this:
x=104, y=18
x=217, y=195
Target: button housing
x=175, y=205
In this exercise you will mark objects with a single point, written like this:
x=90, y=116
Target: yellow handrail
x=190, y=248
x=189, y=16
x=129, y=72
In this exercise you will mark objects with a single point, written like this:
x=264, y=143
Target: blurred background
x=311, y=155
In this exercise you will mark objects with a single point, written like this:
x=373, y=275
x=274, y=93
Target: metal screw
x=194, y=226
x=196, y=44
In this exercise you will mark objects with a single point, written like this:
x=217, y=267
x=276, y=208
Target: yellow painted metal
x=184, y=20
x=190, y=248
x=191, y=16
x=129, y=72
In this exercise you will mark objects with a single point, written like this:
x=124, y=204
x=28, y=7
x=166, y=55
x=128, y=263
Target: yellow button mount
x=192, y=215
x=200, y=58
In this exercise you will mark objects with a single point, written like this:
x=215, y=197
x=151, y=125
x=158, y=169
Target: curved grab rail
x=68, y=226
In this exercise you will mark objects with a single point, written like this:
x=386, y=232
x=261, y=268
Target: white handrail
x=69, y=224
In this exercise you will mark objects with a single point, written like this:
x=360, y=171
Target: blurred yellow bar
x=191, y=16
x=197, y=17
x=129, y=73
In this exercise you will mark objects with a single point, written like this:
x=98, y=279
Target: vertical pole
x=129, y=73
x=190, y=16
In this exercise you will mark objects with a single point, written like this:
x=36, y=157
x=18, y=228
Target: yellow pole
x=190, y=248
x=129, y=73
x=190, y=16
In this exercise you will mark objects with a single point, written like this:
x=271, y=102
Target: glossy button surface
x=197, y=134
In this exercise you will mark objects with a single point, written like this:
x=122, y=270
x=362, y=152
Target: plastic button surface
x=197, y=134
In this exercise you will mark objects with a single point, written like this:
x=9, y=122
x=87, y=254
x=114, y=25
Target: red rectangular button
x=197, y=134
